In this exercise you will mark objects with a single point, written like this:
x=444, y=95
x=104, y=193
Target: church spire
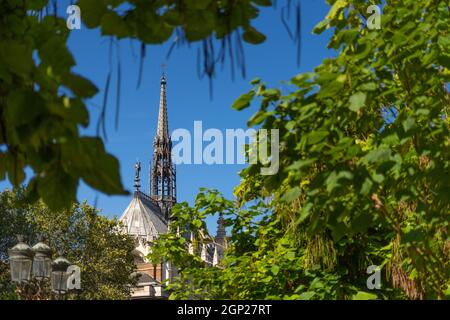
x=163, y=123
x=162, y=174
x=221, y=235
x=220, y=240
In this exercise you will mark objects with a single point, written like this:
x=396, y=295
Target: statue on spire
x=136, y=177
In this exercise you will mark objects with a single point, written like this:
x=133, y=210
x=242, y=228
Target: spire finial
x=163, y=77
x=136, y=177
x=163, y=127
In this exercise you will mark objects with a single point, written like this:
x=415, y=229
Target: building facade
x=148, y=215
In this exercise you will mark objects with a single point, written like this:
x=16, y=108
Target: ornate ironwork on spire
x=162, y=173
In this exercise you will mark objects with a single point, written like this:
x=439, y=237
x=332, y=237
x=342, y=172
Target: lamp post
x=60, y=275
x=20, y=261
x=32, y=268
x=42, y=262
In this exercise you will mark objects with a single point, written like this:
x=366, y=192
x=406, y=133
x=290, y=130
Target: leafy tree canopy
x=80, y=234
x=43, y=102
x=364, y=173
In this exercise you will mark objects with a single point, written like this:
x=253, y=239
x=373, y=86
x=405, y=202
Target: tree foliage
x=43, y=102
x=87, y=239
x=42, y=106
x=364, y=171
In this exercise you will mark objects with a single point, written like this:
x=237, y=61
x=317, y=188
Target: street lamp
x=60, y=275
x=20, y=260
x=42, y=262
x=31, y=268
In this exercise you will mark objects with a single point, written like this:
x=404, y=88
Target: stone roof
x=145, y=278
x=143, y=217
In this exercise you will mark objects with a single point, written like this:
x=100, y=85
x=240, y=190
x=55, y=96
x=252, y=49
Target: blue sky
x=188, y=98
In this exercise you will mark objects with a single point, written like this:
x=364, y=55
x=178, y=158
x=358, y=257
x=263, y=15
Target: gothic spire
x=221, y=233
x=163, y=123
x=220, y=240
x=163, y=176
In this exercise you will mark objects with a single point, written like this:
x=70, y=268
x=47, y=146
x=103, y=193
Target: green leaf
x=317, y=136
x=290, y=255
x=291, y=195
x=333, y=180
x=271, y=93
x=71, y=110
x=275, y=269
x=56, y=54
x=88, y=158
x=197, y=223
x=408, y=123
x=321, y=26
x=16, y=56
x=23, y=106
x=447, y=292
x=243, y=101
x=378, y=155
x=290, y=125
x=79, y=85
x=51, y=186
x=299, y=164
x=15, y=168
x=336, y=8
x=255, y=81
x=307, y=295
x=369, y=86
x=251, y=35
x=331, y=88
x=113, y=24
x=258, y=117
x=305, y=212
x=92, y=12
x=361, y=295
x=366, y=186
x=36, y=4
x=357, y=101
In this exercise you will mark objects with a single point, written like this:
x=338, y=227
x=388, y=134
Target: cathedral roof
x=143, y=217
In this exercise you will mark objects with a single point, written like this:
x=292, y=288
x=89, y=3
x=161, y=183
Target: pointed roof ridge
x=163, y=122
x=143, y=218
